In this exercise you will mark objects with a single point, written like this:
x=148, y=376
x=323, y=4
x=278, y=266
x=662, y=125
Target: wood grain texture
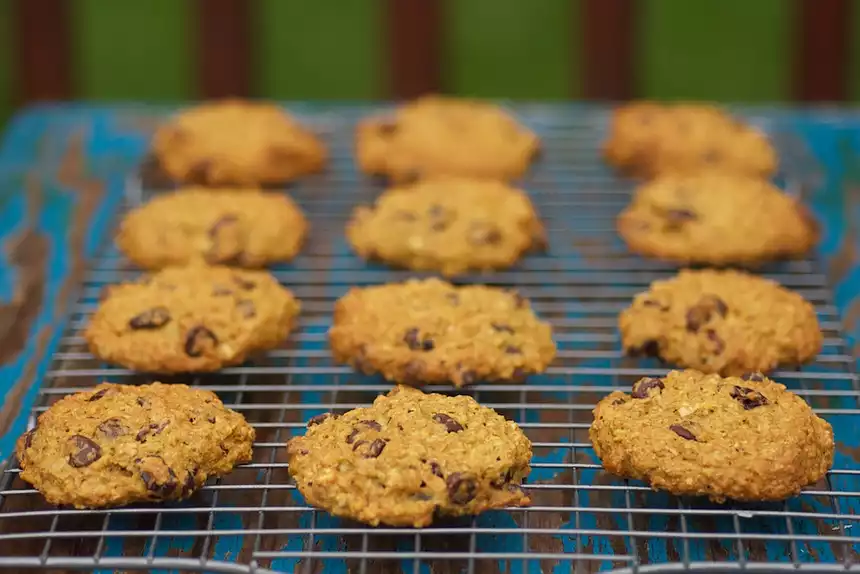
x=414, y=47
x=607, y=32
x=821, y=58
x=223, y=49
x=43, y=39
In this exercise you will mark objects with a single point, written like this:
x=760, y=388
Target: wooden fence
x=170, y=50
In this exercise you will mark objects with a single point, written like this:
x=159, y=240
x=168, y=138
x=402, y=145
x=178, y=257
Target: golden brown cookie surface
x=726, y=322
x=725, y=438
x=448, y=225
x=120, y=444
x=648, y=139
x=717, y=219
x=411, y=455
x=191, y=319
x=432, y=332
x=445, y=136
x=234, y=143
x=238, y=227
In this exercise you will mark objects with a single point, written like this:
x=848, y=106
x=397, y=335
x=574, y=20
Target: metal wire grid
x=582, y=519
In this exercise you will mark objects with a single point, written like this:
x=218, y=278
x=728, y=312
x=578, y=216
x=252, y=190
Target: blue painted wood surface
x=53, y=159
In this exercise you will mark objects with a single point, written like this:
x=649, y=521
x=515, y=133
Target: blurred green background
x=727, y=50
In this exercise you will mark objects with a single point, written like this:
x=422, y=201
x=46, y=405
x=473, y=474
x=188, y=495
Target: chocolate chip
x=153, y=429
x=358, y=443
x=753, y=376
x=450, y=424
x=653, y=303
x=371, y=424
x=619, y=401
x=159, y=489
x=682, y=432
x=411, y=176
x=481, y=233
x=519, y=300
x=406, y=215
x=97, y=395
x=712, y=156
x=243, y=283
x=198, y=339
x=650, y=348
x=318, y=419
x=676, y=218
x=154, y=318
x=350, y=438
x=719, y=345
x=460, y=489
x=453, y=298
x=502, y=480
x=748, y=398
x=211, y=420
x=221, y=291
x=642, y=387
x=222, y=222
x=28, y=438
x=512, y=350
x=85, y=451
x=246, y=308
x=502, y=328
x=704, y=310
x=112, y=428
x=417, y=343
x=190, y=482
x=375, y=448
x=436, y=469
x=199, y=172
x=387, y=128
x=142, y=402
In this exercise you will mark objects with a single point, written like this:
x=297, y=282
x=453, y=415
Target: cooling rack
x=582, y=519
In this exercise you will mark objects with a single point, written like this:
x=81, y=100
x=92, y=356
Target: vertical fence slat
x=7, y=49
x=414, y=31
x=223, y=54
x=329, y=49
x=821, y=50
x=133, y=50
x=607, y=33
x=511, y=49
x=726, y=50
x=42, y=50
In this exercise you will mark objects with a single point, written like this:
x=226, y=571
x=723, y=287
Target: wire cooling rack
x=582, y=520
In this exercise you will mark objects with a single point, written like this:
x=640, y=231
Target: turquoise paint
x=112, y=151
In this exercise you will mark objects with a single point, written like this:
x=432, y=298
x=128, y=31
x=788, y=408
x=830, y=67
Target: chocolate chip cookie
x=236, y=227
x=432, y=332
x=726, y=322
x=448, y=225
x=647, y=139
x=411, y=455
x=191, y=319
x=235, y=143
x=717, y=219
x=120, y=444
x=445, y=136
x=739, y=438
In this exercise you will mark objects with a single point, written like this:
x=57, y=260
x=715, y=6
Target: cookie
x=235, y=143
x=726, y=322
x=740, y=438
x=717, y=219
x=237, y=227
x=433, y=332
x=448, y=225
x=408, y=456
x=647, y=139
x=120, y=444
x=191, y=319
x=445, y=136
